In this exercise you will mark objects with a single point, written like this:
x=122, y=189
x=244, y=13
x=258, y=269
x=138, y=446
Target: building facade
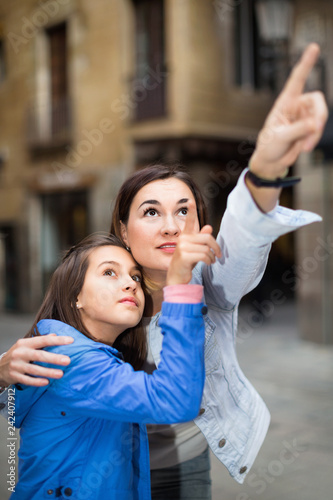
x=90, y=91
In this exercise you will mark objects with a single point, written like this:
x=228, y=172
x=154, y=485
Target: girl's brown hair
x=139, y=179
x=66, y=283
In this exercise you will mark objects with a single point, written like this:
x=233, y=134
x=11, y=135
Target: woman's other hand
x=191, y=248
x=294, y=125
x=17, y=365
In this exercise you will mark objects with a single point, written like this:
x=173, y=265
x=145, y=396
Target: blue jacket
x=83, y=436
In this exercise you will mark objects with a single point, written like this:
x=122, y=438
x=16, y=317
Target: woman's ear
x=123, y=232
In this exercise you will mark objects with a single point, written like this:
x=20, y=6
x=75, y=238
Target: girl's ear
x=123, y=232
x=78, y=303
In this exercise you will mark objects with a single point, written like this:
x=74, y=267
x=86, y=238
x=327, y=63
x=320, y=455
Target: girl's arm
x=97, y=384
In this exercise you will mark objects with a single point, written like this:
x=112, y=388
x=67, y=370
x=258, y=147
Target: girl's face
x=156, y=219
x=111, y=299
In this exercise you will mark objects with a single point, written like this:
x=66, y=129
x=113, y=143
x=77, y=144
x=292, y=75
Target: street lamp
x=275, y=19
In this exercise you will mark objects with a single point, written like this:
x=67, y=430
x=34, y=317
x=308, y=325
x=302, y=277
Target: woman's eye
x=151, y=212
x=109, y=272
x=183, y=211
x=137, y=278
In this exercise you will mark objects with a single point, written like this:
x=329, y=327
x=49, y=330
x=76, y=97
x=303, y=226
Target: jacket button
x=63, y=413
x=242, y=470
x=204, y=310
x=2, y=405
x=222, y=443
x=68, y=492
x=202, y=411
x=49, y=492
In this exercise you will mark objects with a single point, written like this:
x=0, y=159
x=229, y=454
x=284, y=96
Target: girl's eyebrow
x=155, y=202
x=112, y=262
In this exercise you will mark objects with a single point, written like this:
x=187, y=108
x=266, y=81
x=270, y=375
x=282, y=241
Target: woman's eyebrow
x=150, y=202
x=155, y=202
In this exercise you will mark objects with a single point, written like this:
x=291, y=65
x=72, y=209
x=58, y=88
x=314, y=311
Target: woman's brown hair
x=66, y=283
x=139, y=179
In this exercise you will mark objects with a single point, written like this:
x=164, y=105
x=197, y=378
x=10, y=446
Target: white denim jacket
x=233, y=417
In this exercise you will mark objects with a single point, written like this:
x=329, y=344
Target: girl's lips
x=129, y=301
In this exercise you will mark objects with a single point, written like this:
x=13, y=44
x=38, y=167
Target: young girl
x=149, y=217
x=83, y=436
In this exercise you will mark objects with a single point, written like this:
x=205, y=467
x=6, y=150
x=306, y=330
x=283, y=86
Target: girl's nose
x=129, y=284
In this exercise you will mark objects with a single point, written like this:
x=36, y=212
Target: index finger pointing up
x=191, y=218
x=296, y=81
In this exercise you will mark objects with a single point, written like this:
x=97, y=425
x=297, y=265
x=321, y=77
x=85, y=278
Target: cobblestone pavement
x=295, y=378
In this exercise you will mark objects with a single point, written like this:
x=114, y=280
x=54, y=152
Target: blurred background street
x=295, y=379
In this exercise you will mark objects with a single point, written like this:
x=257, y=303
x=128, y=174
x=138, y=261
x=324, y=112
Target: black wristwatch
x=272, y=183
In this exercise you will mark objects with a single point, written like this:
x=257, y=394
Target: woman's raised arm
x=295, y=124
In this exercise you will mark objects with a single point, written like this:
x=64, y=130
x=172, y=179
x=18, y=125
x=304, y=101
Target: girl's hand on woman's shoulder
x=192, y=247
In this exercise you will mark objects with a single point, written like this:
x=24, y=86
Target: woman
x=233, y=417
x=77, y=433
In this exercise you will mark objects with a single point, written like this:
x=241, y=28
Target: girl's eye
x=109, y=272
x=151, y=212
x=137, y=277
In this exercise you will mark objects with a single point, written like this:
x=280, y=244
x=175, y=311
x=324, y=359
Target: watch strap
x=272, y=183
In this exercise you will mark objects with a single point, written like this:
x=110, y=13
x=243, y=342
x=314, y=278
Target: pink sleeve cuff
x=183, y=294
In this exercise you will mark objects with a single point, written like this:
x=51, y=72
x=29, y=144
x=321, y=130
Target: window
x=149, y=85
x=2, y=61
x=49, y=124
x=65, y=223
x=57, y=40
x=8, y=269
x=255, y=60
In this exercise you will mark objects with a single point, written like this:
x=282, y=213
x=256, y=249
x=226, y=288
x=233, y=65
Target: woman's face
x=111, y=299
x=156, y=219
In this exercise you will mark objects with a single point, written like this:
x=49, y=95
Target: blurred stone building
x=90, y=91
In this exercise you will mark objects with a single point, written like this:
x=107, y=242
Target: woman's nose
x=170, y=227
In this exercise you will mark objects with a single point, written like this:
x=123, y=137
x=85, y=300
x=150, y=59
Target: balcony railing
x=49, y=125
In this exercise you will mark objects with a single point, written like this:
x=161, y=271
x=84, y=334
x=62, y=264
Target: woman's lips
x=168, y=247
